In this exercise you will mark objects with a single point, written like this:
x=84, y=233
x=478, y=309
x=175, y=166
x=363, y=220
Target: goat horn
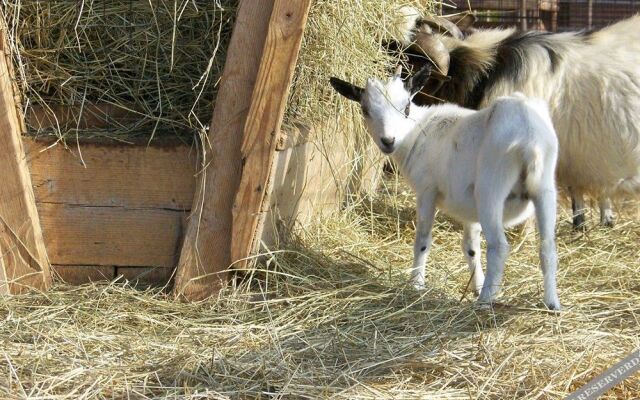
x=432, y=47
x=442, y=25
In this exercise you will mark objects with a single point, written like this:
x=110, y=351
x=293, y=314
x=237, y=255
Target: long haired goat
x=487, y=169
x=590, y=79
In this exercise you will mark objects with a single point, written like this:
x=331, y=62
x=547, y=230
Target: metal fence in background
x=550, y=15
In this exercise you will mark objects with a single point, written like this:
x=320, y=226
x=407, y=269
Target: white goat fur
x=593, y=92
x=487, y=169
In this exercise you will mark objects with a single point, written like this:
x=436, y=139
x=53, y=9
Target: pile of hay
x=333, y=317
x=158, y=60
x=158, y=63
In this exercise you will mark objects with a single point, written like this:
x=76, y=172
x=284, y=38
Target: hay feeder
x=163, y=209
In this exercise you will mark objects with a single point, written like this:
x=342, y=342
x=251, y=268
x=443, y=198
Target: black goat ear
x=419, y=80
x=351, y=92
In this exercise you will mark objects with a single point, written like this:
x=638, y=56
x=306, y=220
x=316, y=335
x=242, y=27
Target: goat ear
x=351, y=92
x=419, y=80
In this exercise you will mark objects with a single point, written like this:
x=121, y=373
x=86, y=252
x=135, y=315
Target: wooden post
x=263, y=125
x=589, y=14
x=523, y=15
x=23, y=257
x=205, y=253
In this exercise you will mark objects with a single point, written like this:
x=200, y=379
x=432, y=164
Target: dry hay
x=159, y=62
x=333, y=317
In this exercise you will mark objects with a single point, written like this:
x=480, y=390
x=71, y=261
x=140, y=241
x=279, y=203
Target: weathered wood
x=523, y=15
x=145, y=276
x=297, y=135
x=94, y=116
x=510, y=5
x=206, y=251
x=87, y=235
x=262, y=128
x=80, y=274
x=118, y=182
x=23, y=257
x=309, y=183
x=154, y=176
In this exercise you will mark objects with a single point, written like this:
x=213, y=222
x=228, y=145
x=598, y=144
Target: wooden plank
x=262, y=128
x=87, y=235
x=145, y=276
x=113, y=175
x=309, y=183
x=478, y=5
x=23, y=257
x=206, y=250
x=95, y=116
x=81, y=274
x=299, y=134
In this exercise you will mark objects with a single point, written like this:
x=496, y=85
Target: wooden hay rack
x=150, y=212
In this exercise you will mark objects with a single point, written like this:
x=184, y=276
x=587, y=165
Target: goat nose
x=388, y=141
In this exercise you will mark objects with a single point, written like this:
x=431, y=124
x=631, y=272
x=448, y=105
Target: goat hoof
x=481, y=305
x=607, y=222
x=553, y=304
x=488, y=295
x=579, y=223
x=418, y=285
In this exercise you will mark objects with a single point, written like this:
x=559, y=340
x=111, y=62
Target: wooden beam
x=262, y=128
x=90, y=235
x=523, y=15
x=206, y=249
x=101, y=115
x=113, y=175
x=145, y=276
x=23, y=257
x=81, y=274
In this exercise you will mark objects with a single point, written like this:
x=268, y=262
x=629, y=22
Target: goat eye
x=407, y=109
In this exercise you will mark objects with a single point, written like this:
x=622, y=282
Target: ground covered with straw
x=334, y=317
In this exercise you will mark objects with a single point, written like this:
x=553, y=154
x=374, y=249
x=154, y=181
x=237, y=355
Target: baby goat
x=488, y=169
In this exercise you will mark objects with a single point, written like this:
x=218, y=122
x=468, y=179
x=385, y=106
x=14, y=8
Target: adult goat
x=590, y=79
x=488, y=169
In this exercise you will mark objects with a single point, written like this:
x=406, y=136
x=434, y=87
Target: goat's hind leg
x=490, y=201
x=545, y=206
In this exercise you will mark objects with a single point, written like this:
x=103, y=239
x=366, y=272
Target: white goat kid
x=488, y=169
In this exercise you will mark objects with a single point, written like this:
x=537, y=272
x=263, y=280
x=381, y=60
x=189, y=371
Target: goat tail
x=408, y=18
x=534, y=168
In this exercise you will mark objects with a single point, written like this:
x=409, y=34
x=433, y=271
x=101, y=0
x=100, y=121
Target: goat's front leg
x=426, y=209
x=606, y=211
x=471, y=249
